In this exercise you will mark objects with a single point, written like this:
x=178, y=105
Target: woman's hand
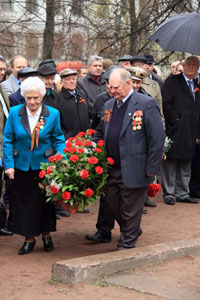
x=10, y=173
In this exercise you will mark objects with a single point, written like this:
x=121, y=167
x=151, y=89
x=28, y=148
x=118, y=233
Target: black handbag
x=3, y=215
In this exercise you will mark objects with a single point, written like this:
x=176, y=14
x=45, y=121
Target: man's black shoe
x=5, y=232
x=98, y=238
x=188, y=200
x=149, y=203
x=169, y=201
x=144, y=211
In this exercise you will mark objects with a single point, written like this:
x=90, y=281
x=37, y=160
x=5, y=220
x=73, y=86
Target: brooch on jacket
x=137, y=120
x=36, y=131
x=81, y=100
x=106, y=117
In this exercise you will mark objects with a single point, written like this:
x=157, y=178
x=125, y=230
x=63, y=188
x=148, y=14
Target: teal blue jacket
x=17, y=139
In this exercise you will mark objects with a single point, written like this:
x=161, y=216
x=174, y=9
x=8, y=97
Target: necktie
x=119, y=104
x=190, y=84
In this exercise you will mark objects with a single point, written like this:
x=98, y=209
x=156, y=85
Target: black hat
x=149, y=58
x=48, y=61
x=46, y=69
x=139, y=57
x=107, y=73
x=27, y=72
x=67, y=72
x=126, y=57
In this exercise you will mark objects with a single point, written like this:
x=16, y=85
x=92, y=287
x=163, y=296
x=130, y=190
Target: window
x=6, y=4
x=31, y=6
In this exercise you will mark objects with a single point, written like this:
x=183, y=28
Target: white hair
x=33, y=84
x=93, y=58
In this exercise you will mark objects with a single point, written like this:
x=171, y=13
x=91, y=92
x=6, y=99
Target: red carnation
x=68, y=144
x=90, y=131
x=99, y=170
x=101, y=143
x=88, y=193
x=52, y=159
x=84, y=174
x=88, y=143
x=79, y=143
x=98, y=150
x=71, y=139
x=66, y=195
x=54, y=189
x=58, y=157
x=50, y=169
x=80, y=134
x=42, y=174
x=110, y=161
x=70, y=149
x=74, y=158
x=80, y=150
x=93, y=160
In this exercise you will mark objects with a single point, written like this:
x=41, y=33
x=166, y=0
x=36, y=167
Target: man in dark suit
x=133, y=135
x=181, y=106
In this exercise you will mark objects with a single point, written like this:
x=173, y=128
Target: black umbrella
x=179, y=33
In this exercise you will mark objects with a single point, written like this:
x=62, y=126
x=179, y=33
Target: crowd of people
x=131, y=108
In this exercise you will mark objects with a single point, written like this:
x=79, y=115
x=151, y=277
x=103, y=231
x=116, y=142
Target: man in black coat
x=181, y=106
x=73, y=107
x=47, y=73
x=92, y=84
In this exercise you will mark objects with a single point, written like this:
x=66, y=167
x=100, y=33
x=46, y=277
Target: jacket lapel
x=185, y=86
x=107, y=124
x=129, y=112
x=44, y=113
x=24, y=119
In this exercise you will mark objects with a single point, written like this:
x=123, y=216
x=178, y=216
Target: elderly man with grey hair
x=133, y=134
x=92, y=84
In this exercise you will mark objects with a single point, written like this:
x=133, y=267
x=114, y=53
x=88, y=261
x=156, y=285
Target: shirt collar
x=186, y=78
x=129, y=94
x=37, y=114
x=16, y=80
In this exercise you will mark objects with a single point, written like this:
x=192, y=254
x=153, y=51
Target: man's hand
x=10, y=173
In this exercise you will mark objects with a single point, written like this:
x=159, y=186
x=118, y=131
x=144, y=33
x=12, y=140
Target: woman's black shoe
x=27, y=247
x=48, y=244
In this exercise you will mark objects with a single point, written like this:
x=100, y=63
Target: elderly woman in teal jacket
x=32, y=133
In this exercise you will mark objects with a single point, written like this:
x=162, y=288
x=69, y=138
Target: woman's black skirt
x=31, y=214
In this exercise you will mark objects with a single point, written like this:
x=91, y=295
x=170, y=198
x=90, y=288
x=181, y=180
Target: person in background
x=179, y=68
x=73, y=107
x=92, y=84
x=16, y=98
x=173, y=66
x=107, y=63
x=125, y=61
x=23, y=153
x=7, y=74
x=181, y=106
x=2, y=68
x=12, y=84
x=149, y=67
x=82, y=72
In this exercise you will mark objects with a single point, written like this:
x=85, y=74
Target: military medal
x=137, y=120
x=41, y=122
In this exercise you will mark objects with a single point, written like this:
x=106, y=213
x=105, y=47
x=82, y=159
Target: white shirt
x=187, y=79
x=33, y=119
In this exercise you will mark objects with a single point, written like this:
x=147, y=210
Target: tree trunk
x=48, y=36
x=133, y=27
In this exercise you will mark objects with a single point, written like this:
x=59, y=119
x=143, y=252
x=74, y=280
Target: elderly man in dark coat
x=73, y=107
x=181, y=104
x=133, y=136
